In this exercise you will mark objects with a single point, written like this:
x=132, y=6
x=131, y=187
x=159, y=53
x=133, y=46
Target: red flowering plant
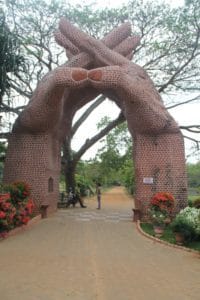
x=24, y=212
x=161, y=207
x=7, y=214
x=19, y=193
x=163, y=202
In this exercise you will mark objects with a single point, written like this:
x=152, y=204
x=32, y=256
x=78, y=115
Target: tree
x=169, y=50
x=115, y=152
x=11, y=59
x=194, y=175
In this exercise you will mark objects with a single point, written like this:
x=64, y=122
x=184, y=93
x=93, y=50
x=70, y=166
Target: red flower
x=25, y=220
x=162, y=201
x=29, y=206
x=2, y=214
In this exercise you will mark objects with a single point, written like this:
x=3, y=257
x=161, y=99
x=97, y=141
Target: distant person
x=98, y=192
x=74, y=198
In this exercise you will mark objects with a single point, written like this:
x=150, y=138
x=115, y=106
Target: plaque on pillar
x=148, y=180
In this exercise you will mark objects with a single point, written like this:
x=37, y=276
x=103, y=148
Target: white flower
x=192, y=216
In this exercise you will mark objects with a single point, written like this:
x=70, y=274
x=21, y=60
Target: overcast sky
x=117, y=3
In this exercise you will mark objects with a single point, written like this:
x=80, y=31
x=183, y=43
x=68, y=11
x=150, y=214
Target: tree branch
x=185, y=102
x=5, y=108
x=86, y=114
x=20, y=91
x=90, y=142
x=191, y=128
x=164, y=86
x=193, y=140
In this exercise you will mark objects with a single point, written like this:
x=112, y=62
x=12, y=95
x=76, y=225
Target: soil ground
x=90, y=254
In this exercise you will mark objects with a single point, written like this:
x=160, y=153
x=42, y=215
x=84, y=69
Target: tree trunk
x=69, y=172
x=69, y=166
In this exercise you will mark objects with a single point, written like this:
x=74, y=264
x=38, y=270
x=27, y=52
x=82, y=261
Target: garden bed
x=168, y=236
x=22, y=228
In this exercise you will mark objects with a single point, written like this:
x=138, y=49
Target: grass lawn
x=193, y=197
x=168, y=236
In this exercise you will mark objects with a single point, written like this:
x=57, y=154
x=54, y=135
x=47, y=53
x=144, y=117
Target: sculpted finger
x=70, y=48
x=117, y=35
x=75, y=40
x=128, y=45
x=65, y=77
x=112, y=39
x=108, y=77
x=95, y=48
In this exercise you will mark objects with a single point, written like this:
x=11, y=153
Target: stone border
x=22, y=228
x=140, y=230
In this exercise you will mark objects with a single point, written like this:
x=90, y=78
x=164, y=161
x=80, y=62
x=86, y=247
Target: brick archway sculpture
x=96, y=67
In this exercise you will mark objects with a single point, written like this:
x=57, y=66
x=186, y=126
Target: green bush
x=83, y=185
x=180, y=225
x=196, y=203
x=187, y=222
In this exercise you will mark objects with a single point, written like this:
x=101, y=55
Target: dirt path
x=89, y=254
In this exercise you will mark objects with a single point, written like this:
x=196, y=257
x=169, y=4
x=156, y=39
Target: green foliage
x=85, y=180
x=196, y=203
x=115, y=156
x=193, y=171
x=187, y=222
x=157, y=217
x=83, y=185
x=18, y=190
x=127, y=172
x=168, y=236
x=180, y=225
x=10, y=57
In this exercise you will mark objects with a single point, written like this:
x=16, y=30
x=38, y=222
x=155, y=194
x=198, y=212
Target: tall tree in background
x=115, y=155
x=169, y=51
x=11, y=60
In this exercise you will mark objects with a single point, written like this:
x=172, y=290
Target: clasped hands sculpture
x=95, y=67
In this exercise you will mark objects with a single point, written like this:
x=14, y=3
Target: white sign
x=148, y=180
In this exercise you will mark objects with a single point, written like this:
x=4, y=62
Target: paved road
x=87, y=254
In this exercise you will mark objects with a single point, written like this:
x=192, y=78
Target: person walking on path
x=98, y=192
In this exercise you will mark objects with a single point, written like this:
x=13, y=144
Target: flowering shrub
x=7, y=214
x=161, y=206
x=158, y=217
x=18, y=190
x=16, y=207
x=23, y=212
x=187, y=222
x=192, y=216
x=162, y=202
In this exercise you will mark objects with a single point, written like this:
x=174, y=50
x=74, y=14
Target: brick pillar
x=159, y=167
x=35, y=159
